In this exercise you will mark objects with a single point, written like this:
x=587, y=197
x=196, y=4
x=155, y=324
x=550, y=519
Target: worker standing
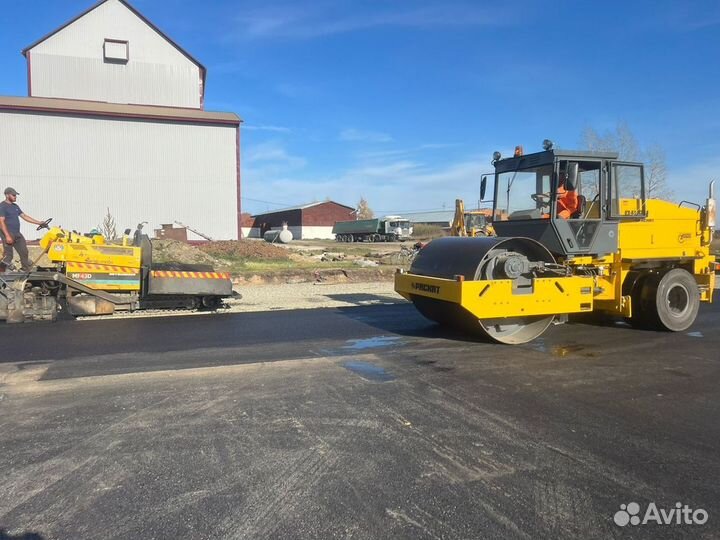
x=10, y=215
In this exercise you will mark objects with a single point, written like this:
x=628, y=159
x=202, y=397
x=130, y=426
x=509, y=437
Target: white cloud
x=394, y=185
x=274, y=129
x=357, y=135
x=330, y=18
x=690, y=182
x=374, y=155
x=272, y=153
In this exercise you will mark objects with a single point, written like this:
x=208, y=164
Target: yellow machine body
x=470, y=223
x=89, y=276
x=512, y=288
x=669, y=234
x=93, y=262
x=492, y=299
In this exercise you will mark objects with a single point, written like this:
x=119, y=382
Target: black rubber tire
x=639, y=317
x=670, y=301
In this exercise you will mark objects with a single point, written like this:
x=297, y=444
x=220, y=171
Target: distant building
x=440, y=218
x=309, y=221
x=115, y=119
x=168, y=231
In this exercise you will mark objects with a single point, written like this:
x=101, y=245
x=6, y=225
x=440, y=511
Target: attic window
x=116, y=51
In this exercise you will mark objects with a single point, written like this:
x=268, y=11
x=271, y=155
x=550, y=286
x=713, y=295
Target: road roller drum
x=484, y=258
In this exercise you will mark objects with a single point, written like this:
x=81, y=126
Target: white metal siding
x=299, y=233
x=316, y=232
x=73, y=169
x=70, y=64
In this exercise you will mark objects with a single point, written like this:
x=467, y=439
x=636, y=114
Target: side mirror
x=483, y=187
x=572, y=172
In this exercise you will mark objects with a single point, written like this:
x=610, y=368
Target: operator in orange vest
x=567, y=199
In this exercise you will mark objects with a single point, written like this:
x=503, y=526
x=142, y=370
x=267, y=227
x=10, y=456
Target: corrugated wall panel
x=73, y=169
x=70, y=64
x=136, y=83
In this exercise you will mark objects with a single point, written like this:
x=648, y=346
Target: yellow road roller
x=577, y=232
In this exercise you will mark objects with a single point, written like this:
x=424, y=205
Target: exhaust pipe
x=710, y=208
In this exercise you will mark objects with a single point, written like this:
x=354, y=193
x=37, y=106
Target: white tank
x=283, y=236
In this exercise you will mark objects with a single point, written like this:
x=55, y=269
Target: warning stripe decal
x=191, y=275
x=102, y=268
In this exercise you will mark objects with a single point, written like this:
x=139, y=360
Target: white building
x=114, y=119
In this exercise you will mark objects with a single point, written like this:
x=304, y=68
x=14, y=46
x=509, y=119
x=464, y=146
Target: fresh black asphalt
x=365, y=422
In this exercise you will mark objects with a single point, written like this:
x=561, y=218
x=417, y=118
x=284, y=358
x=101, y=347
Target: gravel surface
x=288, y=296
x=314, y=295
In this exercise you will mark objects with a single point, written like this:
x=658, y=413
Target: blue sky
x=403, y=102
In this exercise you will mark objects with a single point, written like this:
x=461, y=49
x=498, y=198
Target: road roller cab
x=576, y=233
x=531, y=190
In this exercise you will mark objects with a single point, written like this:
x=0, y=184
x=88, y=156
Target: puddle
x=369, y=371
x=564, y=350
x=624, y=324
x=372, y=343
x=695, y=334
x=539, y=345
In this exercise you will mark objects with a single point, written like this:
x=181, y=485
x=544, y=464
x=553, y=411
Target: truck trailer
x=387, y=229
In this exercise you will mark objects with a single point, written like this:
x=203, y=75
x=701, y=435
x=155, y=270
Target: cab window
x=581, y=201
x=627, y=194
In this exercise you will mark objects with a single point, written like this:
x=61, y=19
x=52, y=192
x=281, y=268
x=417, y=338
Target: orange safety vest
x=567, y=203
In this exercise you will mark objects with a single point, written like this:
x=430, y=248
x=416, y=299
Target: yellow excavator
x=470, y=223
x=89, y=276
x=577, y=233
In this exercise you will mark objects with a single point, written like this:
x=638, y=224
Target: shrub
x=421, y=230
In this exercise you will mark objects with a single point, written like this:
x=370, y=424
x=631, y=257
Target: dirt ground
x=258, y=262
x=313, y=295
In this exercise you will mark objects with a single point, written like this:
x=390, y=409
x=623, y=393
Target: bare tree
x=623, y=141
x=656, y=175
x=620, y=140
x=363, y=210
x=108, y=228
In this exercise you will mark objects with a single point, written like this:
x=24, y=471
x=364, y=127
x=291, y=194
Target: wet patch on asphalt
x=373, y=343
x=368, y=371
